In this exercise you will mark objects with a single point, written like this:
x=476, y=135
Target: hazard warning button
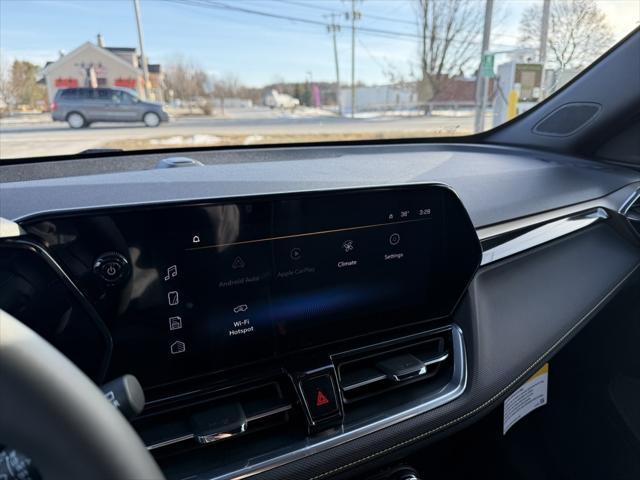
x=321, y=399
x=320, y=396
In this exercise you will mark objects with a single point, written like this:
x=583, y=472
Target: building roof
x=86, y=46
x=120, y=49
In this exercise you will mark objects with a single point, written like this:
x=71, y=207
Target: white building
x=379, y=97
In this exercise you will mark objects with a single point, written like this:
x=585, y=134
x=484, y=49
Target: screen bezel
x=453, y=199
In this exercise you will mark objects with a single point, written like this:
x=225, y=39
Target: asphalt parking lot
x=257, y=125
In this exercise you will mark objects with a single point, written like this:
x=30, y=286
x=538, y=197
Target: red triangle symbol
x=321, y=399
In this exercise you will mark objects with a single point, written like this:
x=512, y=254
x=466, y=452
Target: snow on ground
x=303, y=112
x=252, y=139
x=413, y=113
x=187, y=140
x=20, y=118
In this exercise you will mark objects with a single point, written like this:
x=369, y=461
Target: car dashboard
x=297, y=313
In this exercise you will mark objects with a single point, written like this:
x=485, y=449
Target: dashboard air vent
x=382, y=368
x=209, y=417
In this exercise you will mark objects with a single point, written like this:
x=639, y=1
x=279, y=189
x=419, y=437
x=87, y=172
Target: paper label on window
x=528, y=397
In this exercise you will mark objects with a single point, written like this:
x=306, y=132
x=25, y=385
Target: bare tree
x=23, y=87
x=226, y=87
x=448, y=35
x=5, y=87
x=185, y=80
x=578, y=32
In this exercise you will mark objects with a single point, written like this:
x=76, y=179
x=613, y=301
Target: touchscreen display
x=220, y=285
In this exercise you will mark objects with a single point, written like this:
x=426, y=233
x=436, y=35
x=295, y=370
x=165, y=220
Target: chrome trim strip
x=216, y=437
x=628, y=203
x=274, y=411
x=612, y=202
x=364, y=383
x=543, y=234
x=438, y=359
x=171, y=441
x=451, y=391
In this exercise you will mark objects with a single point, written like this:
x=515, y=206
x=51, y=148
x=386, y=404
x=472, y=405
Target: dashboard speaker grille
x=567, y=119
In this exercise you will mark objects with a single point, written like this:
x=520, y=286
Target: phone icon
x=173, y=298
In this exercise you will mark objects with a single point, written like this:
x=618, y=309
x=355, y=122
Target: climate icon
x=348, y=246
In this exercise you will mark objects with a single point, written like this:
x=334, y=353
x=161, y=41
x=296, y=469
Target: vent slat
x=381, y=369
x=263, y=406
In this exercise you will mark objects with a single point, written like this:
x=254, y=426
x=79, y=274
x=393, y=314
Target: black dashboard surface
x=496, y=184
x=517, y=312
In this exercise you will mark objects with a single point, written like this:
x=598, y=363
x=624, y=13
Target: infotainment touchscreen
x=233, y=282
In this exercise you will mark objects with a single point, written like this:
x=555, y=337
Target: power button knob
x=111, y=267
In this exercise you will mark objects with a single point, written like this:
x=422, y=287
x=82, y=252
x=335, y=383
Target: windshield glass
x=229, y=72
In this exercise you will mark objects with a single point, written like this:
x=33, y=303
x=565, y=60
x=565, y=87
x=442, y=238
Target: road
x=254, y=125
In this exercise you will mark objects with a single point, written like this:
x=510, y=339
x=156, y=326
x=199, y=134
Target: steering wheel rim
x=52, y=412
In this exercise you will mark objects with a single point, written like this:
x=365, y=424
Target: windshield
x=219, y=73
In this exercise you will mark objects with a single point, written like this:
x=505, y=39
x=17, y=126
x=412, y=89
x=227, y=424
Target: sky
x=258, y=49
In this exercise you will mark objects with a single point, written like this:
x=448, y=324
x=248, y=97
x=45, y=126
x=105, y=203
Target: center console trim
x=451, y=391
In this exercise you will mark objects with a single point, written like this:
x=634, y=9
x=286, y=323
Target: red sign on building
x=125, y=82
x=66, y=82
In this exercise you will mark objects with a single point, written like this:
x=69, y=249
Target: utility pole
x=544, y=36
x=334, y=28
x=145, y=66
x=355, y=15
x=482, y=83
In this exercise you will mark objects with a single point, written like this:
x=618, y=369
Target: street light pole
x=544, y=36
x=333, y=28
x=482, y=83
x=354, y=16
x=145, y=66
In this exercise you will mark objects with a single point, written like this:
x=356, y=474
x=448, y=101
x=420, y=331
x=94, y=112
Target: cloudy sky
x=257, y=47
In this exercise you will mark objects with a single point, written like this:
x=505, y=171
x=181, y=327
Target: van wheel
x=75, y=120
x=151, y=119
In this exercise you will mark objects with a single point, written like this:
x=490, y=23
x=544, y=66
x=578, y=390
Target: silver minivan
x=80, y=107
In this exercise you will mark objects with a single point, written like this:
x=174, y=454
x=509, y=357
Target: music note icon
x=172, y=271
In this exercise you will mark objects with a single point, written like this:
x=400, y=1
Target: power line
x=372, y=56
x=383, y=33
x=314, y=7
x=224, y=6
x=329, y=9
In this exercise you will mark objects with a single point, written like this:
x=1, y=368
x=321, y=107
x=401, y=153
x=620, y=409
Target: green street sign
x=486, y=68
